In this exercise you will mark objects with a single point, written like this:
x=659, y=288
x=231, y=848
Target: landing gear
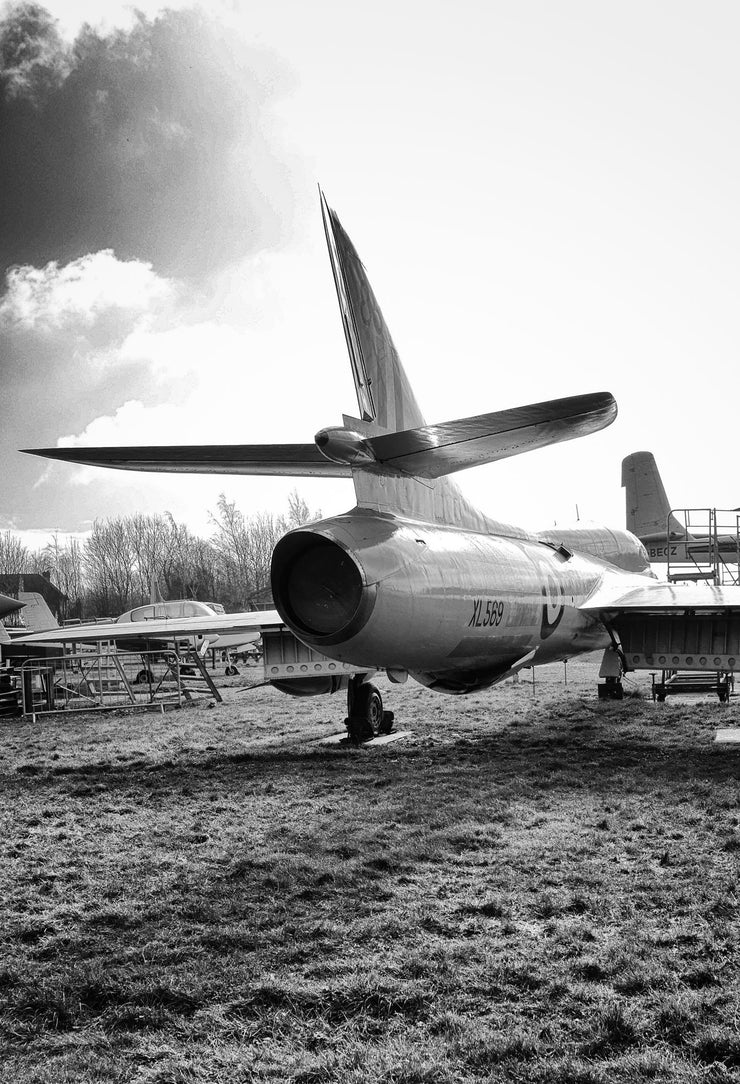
x=611, y=670
x=231, y=671
x=611, y=689
x=365, y=716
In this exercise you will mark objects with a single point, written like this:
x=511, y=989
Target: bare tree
x=15, y=559
x=109, y=564
x=64, y=565
x=191, y=568
x=122, y=557
x=151, y=539
x=243, y=545
x=299, y=512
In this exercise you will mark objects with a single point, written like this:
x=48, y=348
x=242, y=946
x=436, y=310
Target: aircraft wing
x=432, y=451
x=289, y=459
x=166, y=629
x=663, y=598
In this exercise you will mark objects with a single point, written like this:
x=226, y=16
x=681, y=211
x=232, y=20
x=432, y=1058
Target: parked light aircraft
x=414, y=579
x=202, y=625
x=178, y=610
x=650, y=517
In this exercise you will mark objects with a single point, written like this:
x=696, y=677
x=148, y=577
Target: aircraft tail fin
x=648, y=509
x=384, y=395
x=37, y=617
x=407, y=462
x=385, y=398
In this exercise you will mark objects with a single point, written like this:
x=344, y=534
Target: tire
x=387, y=724
x=366, y=719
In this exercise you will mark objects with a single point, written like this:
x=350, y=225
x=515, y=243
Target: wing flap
x=432, y=451
x=296, y=460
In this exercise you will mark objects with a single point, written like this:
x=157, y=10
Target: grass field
x=534, y=886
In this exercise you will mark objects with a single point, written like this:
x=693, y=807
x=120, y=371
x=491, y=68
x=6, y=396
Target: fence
x=94, y=680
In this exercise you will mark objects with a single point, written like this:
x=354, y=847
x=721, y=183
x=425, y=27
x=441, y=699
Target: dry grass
x=534, y=887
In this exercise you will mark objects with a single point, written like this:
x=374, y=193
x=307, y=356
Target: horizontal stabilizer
x=288, y=459
x=429, y=451
x=432, y=451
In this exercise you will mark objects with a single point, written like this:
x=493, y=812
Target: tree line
x=123, y=558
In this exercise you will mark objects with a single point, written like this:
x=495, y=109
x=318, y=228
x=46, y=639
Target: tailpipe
x=319, y=588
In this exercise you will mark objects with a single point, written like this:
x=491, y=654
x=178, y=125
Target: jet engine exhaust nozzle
x=318, y=588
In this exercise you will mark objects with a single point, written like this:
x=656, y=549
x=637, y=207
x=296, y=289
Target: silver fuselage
x=455, y=609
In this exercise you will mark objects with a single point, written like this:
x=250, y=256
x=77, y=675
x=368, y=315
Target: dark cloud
x=155, y=142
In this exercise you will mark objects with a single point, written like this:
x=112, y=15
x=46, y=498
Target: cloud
x=157, y=142
x=62, y=330
x=33, y=56
x=80, y=293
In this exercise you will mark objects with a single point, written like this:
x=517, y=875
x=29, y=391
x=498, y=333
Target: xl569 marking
x=491, y=615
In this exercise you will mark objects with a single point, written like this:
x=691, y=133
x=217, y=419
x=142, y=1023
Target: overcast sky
x=544, y=196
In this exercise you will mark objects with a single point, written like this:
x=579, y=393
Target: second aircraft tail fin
x=37, y=617
x=649, y=513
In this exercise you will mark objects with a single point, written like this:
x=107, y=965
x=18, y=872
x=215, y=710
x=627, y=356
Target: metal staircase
x=708, y=547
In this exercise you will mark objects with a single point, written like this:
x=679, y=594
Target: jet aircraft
x=183, y=610
x=650, y=517
x=415, y=580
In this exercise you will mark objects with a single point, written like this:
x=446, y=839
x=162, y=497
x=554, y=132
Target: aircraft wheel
x=387, y=724
x=144, y=677
x=367, y=714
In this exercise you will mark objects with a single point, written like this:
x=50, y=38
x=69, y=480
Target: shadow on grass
x=546, y=753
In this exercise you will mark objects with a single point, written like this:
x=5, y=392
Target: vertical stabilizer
x=386, y=400
x=648, y=509
x=384, y=394
x=37, y=617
